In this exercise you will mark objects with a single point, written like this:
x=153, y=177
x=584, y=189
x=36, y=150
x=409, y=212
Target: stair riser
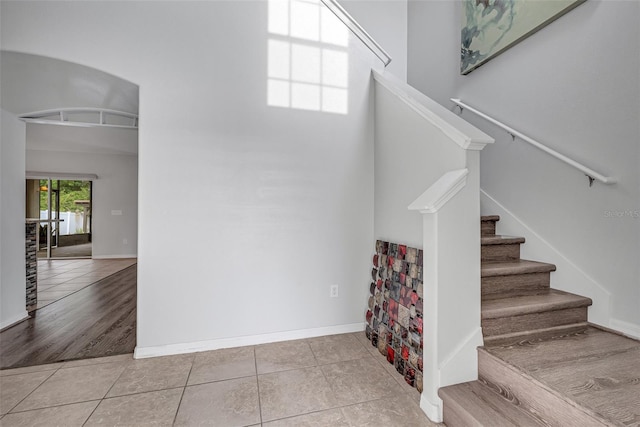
x=530, y=394
x=528, y=322
x=500, y=252
x=531, y=336
x=453, y=416
x=514, y=285
x=487, y=228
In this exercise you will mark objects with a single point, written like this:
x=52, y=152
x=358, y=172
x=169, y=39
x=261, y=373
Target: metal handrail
x=590, y=173
x=357, y=30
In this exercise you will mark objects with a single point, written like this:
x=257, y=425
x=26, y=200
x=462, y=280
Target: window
x=308, y=64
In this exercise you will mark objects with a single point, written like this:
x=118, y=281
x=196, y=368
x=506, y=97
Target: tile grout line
x=255, y=361
x=184, y=389
x=32, y=391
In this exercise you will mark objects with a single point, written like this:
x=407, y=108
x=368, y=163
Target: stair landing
x=597, y=370
x=587, y=379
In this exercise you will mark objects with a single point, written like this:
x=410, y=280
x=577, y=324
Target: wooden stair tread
x=501, y=240
x=550, y=300
x=534, y=395
x=597, y=370
x=490, y=218
x=520, y=266
x=477, y=404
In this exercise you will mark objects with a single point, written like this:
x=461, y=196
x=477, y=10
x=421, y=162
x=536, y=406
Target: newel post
x=451, y=271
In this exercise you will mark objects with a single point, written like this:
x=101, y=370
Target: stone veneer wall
x=394, y=318
x=31, y=265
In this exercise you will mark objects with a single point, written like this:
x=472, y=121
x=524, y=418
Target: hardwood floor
x=99, y=320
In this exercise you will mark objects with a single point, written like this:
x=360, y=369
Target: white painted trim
x=465, y=354
x=440, y=192
x=458, y=130
x=123, y=256
x=432, y=409
x=14, y=320
x=629, y=329
x=171, y=349
x=62, y=176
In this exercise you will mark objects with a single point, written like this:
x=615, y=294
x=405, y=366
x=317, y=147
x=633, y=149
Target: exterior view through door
x=62, y=209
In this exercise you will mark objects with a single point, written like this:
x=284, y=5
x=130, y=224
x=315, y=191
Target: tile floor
x=59, y=278
x=338, y=380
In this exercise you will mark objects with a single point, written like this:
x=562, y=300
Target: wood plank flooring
x=99, y=320
x=598, y=370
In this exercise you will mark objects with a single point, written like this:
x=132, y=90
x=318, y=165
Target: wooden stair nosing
x=534, y=335
x=534, y=395
x=474, y=403
x=500, y=239
x=492, y=218
x=520, y=266
x=552, y=300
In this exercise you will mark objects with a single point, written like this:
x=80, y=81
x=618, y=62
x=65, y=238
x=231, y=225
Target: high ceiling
x=34, y=83
x=30, y=83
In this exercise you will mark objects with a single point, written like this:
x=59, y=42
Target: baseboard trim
x=626, y=328
x=14, y=321
x=193, y=347
x=123, y=256
x=433, y=410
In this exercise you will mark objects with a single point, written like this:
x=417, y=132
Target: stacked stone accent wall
x=31, y=265
x=394, y=317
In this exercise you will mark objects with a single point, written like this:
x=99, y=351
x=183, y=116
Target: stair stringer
x=568, y=276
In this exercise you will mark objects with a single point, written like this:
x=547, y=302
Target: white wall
x=115, y=189
x=386, y=22
x=284, y=197
x=405, y=148
x=575, y=88
x=13, y=277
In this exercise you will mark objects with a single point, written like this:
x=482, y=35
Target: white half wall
x=115, y=192
x=281, y=199
x=13, y=276
x=575, y=90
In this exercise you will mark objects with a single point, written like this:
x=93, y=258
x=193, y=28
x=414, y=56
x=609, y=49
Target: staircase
x=542, y=363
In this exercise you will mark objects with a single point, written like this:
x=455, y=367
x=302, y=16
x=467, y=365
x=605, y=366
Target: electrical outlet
x=333, y=291
x=125, y=241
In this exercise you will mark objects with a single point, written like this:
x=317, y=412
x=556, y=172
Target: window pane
x=335, y=68
x=332, y=30
x=305, y=20
x=279, y=59
x=305, y=63
x=279, y=17
x=305, y=96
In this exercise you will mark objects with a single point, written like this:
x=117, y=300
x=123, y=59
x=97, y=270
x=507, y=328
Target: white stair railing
x=590, y=173
x=357, y=30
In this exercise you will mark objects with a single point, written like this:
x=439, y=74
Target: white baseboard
x=171, y=349
x=123, y=256
x=433, y=410
x=629, y=329
x=14, y=320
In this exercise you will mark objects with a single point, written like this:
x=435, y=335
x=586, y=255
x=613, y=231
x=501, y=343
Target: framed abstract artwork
x=489, y=27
